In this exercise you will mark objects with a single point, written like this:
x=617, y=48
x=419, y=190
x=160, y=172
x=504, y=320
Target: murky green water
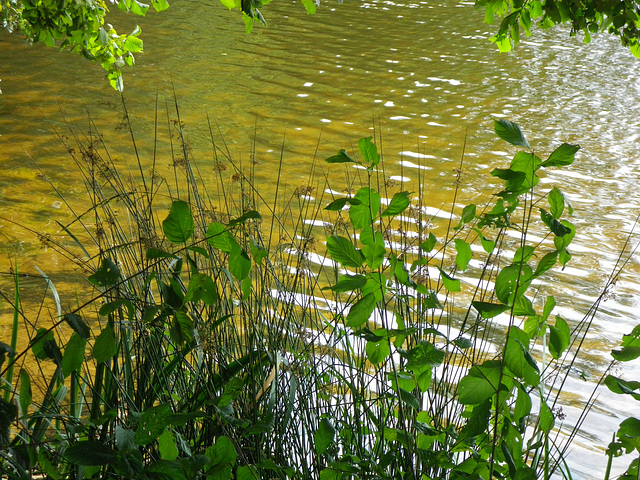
x=422, y=73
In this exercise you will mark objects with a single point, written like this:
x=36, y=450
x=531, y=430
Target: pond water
x=420, y=76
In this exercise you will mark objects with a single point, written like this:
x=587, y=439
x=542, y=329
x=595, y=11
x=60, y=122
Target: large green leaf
x=178, y=227
x=562, y=156
x=167, y=446
x=361, y=311
x=26, y=394
x=152, y=423
x=559, y=337
x=510, y=132
x=73, y=357
x=75, y=321
x=489, y=310
x=362, y=215
x=324, y=435
x=341, y=157
x=344, y=252
x=90, y=453
x=518, y=359
x=369, y=151
x=398, y=204
x=463, y=256
x=239, y=263
x=107, y=275
x=377, y=352
x=105, y=346
x=556, y=202
x=220, y=238
x=450, y=283
x=480, y=384
x=202, y=287
x=181, y=330
x=348, y=283
x=512, y=281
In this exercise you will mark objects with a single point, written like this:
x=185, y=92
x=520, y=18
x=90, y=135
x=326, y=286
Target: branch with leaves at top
x=619, y=18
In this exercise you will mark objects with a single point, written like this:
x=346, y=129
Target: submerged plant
x=220, y=345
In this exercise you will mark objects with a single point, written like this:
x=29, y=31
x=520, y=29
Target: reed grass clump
x=225, y=339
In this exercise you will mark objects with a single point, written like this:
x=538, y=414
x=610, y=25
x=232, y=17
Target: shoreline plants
x=224, y=340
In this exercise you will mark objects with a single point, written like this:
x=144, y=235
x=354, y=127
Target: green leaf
x=348, y=283
x=89, y=453
x=518, y=358
x=108, y=308
x=264, y=424
x=450, y=283
x=239, y=263
x=107, y=275
x=546, y=418
x=133, y=44
x=556, y=203
x=626, y=354
x=523, y=307
x=75, y=321
x=546, y=263
x=369, y=151
x=167, y=446
x=523, y=254
x=615, y=384
x=487, y=245
x=160, y=5
x=559, y=337
x=430, y=243
x=523, y=405
x=480, y=384
x=424, y=354
x=468, y=214
x=105, y=346
x=155, y=253
x=562, y=156
x=230, y=4
x=250, y=215
x=361, y=311
x=324, y=435
x=344, y=252
x=201, y=287
x=554, y=225
x=463, y=343
x=463, y=257
x=182, y=330
x=510, y=132
x=410, y=399
x=512, y=281
x=219, y=237
x=489, y=310
x=341, y=157
x=26, y=394
x=478, y=421
x=377, y=352
x=363, y=215
x=310, y=6
x=398, y=204
x=73, y=357
x=339, y=204
x=178, y=227
x=374, y=254
x=152, y=423
x=37, y=344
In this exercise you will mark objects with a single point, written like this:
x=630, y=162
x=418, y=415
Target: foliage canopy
x=81, y=26
x=619, y=18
